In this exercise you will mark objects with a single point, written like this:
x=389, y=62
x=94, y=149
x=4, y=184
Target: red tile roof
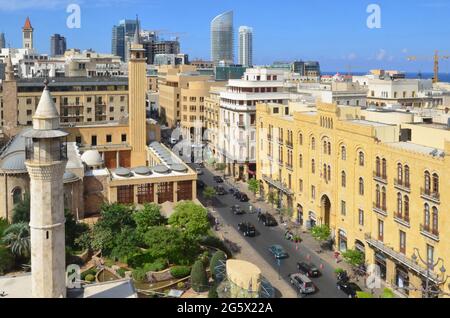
x=27, y=24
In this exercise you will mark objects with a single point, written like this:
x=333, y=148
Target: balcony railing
x=280, y=141
x=289, y=144
x=241, y=125
x=269, y=137
x=378, y=208
x=402, y=185
x=380, y=177
x=427, y=194
x=430, y=232
x=289, y=166
x=401, y=219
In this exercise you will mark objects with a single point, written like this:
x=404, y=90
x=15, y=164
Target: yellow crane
x=437, y=58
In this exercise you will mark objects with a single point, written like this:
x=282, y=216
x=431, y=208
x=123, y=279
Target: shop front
x=402, y=279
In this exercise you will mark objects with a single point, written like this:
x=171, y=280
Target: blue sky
x=333, y=32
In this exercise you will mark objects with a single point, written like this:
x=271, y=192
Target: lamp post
x=430, y=266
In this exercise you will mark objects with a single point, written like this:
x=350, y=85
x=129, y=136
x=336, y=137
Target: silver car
x=303, y=284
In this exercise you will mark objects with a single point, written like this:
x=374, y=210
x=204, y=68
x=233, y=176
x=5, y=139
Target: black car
x=309, y=270
x=220, y=190
x=232, y=190
x=348, y=288
x=267, y=219
x=236, y=209
x=218, y=179
x=247, y=229
x=200, y=184
x=243, y=198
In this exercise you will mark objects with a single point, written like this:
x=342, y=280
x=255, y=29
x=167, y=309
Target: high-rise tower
x=10, y=112
x=27, y=35
x=2, y=40
x=137, y=68
x=222, y=38
x=46, y=159
x=246, y=46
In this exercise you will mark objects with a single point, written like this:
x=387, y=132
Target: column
x=155, y=192
x=194, y=189
x=175, y=192
x=390, y=272
x=135, y=194
x=117, y=159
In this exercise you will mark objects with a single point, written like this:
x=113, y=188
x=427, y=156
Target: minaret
x=27, y=35
x=137, y=78
x=10, y=118
x=46, y=159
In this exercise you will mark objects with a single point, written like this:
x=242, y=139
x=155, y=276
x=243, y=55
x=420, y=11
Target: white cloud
x=405, y=50
x=352, y=56
x=381, y=55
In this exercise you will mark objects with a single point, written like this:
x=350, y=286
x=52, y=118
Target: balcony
x=269, y=137
x=380, y=177
x=289, y=144
x=402, y=220
x=280, y=163
x=428, y=231
x=241, y=125
x=280, y=141
x=289, y=166
x=278, y=184
x=402, y=185
x=429, y=195
x=380, y=209
x=72, y=105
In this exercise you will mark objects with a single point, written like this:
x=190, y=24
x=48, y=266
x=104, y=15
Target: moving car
x=267, y=219
x=218, y=179
x=200, y=184
x=236, y=209
x=278, y=251
x=309, y=270
x=303, y=284
x=349, y=288
x=220, y=190
x=247, y=229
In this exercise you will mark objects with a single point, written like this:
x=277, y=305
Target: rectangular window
x=108, y=138
x=380, y=230
x=124, y=137
x=94, y=141
x=125, y=194
x=402, y=242
x=361, y=217
x=343, y=208
x=29, y=112
x=300, y=185
x=313, y=192
x=78, y=140
x=430, y=254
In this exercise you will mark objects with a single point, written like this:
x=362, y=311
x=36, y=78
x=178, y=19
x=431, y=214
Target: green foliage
x=272, y=197
x=221, y=166
x=387, y=293
x=353, y=257
x=180, y=271
x=199, y=278
x=4, y=224
x=191, y=219
x=209, y=193
x=149, y=216
x=84, y=241
x=213, y=291
x=89, y=278
x=157, y=266
x=253, y=185
x=361, y=294
x=204, y=258
x=21, y=211
x=91, y=271
x=139, y=275
x=321, y=233
x=7, y=260
x=216, y=260
x=121, y=272
x=73, y=230
x=339, y=270
x=213, y=241
x=181, y=285
x=139, y=260
x=17, y=238
x=125, y=244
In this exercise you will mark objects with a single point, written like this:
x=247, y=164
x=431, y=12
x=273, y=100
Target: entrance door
x=326, y=209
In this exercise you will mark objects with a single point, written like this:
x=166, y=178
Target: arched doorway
x=17, y=195
x=326, y=209
x=299, y=215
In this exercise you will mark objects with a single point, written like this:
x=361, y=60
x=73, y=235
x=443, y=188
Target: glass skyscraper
x=246, y=46
x=121, y=35
x=222, y=38
x=2, y=40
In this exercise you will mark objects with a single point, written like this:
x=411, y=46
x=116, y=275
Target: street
x=267, y=236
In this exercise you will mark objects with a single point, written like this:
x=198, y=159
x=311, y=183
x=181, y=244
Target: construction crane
x=437, y=58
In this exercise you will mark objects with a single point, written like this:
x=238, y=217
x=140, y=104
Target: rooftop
x=70, y=81
x=368, y=123
x=409, y=146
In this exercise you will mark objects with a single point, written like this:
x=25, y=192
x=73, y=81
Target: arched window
x=407, y=176
x=329, y=173
x=427, y=182
x=325, y=172
x=343, y=179
x=378, y=166
x=329, y=148
x=361, y=186
x=383, y=198
x=378, y=196
x=324, y=147
x=343, y=153
x=313, y=166
x=400, y=173
x=435, y=221
x=406, y=209
x=399, y=204
x=300, y=139
x=313, y=143
x=300, y=160
x=426, y=216
x=384, y=168
x=361, y=159
x=435, y=183
x=17, y=195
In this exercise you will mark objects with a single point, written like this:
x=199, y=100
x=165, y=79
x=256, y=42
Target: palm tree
x=17, y=238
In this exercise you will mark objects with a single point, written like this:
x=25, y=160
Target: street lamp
x=430, y=266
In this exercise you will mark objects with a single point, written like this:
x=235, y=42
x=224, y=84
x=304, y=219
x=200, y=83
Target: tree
x=272, y=197
x=387, y=293
x=17, y=238
x=199, y=278
x=221, y=167
x=253, y=186
x=353, y=257
x=4, y=224
x=149, y=216
x=191, y=219
x=321, y=233
x=209, y=193
x=125, y=244
x=21, y=211
x=217, y=259
x=6, y=260
x=73, y=230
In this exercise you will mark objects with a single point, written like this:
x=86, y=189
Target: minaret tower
x=10, y=120
x=137, y=68
x=46, y=159
x=27, y=35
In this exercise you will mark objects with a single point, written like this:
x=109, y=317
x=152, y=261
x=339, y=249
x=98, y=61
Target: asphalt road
x=267, y=236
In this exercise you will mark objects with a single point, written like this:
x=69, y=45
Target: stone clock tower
x=46, y=159
x=27, y=35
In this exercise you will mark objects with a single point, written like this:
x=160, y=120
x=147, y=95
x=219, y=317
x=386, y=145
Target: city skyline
x=316, y=36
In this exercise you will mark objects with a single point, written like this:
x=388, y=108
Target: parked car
x=218, y=179
x=232, y=191
x=278, y=252
x=237, y=194
x=247, y=229
x=200, y=184
x=349, y=288
x=309, y=270
x=267, y=219
x=303, y=284
x=220, y=190
x=243, y=198
x=236, y=209
x=199, y=171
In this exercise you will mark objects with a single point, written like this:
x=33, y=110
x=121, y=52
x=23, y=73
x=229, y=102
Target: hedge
x=91, y=271
x=199, y=278
x=139, y=275
x=180, y=271
x=215, y=261
x=157, y=266
x=7, y=260
x=89, y=278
